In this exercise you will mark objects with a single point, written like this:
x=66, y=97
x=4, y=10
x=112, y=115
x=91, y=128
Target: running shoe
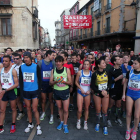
x=71, y=107
x=85, y=126
x=78, y=125
x=127, y=135
x=20, y=115
x=105, y=132
x=97, y=127
x=51, y=120
x=1, y=131
x=134, y=135
x=60, y=126
x=118, y=121
x=29, y=128
x=13, y=129
x=65, y=127
x=109, y=123
x=39, y=131
x=42, y=116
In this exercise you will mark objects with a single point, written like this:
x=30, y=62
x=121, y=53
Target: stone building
x=58, y=33
x=113, y=22
x=19, y=24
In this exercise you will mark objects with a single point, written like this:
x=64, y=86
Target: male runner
x=30, y=86
x=8, y=82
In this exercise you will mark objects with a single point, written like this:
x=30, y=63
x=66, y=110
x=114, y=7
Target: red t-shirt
x=70, y=66
x=81, y=61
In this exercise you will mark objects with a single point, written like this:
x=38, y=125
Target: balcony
x=108, y=7
x=75, y=37
x=5, y=3
x=84, y=35
x=35, y=12
x=98, y=14
x=107, y=30
x=98, y=32
x=71, y=38
x=80, y=37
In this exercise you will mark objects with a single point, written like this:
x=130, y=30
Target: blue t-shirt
x=124, y=71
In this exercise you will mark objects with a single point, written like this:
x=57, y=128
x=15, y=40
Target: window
x=6, y=26
x=77, y=7
x=91, y=30
x=98, y=28
x=108, y=25
x=35, y=30
x=100, y=6
x=92, y=12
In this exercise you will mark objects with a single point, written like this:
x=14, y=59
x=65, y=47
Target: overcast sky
x=49, y=12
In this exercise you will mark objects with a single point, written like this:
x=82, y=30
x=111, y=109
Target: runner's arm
x=69, y=82
x=39, y=78
x=20, y=80
x=77, y=80
x=52, y=82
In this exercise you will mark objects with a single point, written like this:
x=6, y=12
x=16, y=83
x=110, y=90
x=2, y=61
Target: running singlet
x=85, y=81
x=102, y=81
x=134, y=83
x=7, y=79
x=46, y=71
x=60, y=77
x=30, y=82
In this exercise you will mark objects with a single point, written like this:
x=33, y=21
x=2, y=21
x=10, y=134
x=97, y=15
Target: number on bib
x=46, y=74
x=28, y=77
x=102, y=86
x=85, y=81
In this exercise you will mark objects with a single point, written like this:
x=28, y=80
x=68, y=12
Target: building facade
x=64, y=32
x=113, y=22
x=19, y=24
x=41, y=37
x=58, y=33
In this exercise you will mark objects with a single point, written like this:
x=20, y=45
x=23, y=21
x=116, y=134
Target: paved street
x=50, y=132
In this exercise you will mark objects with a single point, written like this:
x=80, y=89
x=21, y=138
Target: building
x=41, y=37
x=114, y=22
x=19, y=24
x=47, y=39
x=64, y=32
x=73, y=11
x=58, y=33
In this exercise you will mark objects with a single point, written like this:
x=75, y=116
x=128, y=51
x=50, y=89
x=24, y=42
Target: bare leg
x=14, y=110
x=79, y=105
x=87, y=103
x=51, y=102
x=43, y=101
x=60, y=109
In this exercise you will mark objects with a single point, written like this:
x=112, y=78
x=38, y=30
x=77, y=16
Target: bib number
x=76, y=70
x=85, y=81
x=134, y=85
x=6, y=79
x=102, y=86
x=28, y=77
x=46, y=74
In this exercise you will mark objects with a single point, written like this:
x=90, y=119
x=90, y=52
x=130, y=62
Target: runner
x=100, y=83
x=8, y=82
x=76, y=66
x=116, y=90
x=46, y=65
x=30, y=87
x=70, y=66
x=17, y=64
x=132, y=97
x=83, y=80
x=61, y=79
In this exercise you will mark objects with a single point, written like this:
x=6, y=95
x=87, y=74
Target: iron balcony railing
x=5, y=3
x=80, y=36
x=108, y=6
x=84, y=35
x=98, y=14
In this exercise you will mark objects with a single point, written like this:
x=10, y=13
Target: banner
x=77, y=21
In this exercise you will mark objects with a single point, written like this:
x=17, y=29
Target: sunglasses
x=16, y=58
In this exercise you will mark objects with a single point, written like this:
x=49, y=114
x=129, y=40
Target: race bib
x=76, y=70
x=134, y=85
x=6, y=79
x=28, y=77
x=85, y=81
x=102, y=86
x=60, y=80
x=46, y=74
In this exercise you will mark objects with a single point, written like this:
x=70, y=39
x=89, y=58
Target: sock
x=62, y=121
x=30, y=123
x=1, y=126
x=109, y=113
x=79, y=120
x=105, y=120
x=21, y=112
x=97, y=118
x=118, y=113
x=38, y=125
x=85, y=121
x=13, y=124
x=51, y=115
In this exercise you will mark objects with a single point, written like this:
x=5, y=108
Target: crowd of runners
x=100, y=79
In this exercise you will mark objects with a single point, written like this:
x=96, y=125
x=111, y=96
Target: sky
x=50, y=11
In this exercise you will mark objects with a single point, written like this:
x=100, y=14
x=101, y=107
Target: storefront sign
x=77, y=21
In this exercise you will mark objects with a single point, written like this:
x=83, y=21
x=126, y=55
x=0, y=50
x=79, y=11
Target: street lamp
x=133, y=4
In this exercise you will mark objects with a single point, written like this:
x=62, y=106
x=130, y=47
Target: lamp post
x=137, y=37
